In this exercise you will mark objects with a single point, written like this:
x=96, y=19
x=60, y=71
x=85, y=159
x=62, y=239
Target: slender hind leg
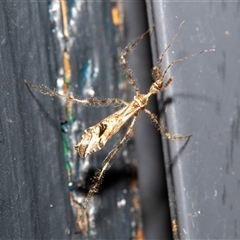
x=74, y=99
x=162, y=129
x=99, y=175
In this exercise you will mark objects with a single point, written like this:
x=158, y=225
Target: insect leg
x=83, y=222
x=127, y=71
x=162, y=129
x=74, y=99
x=167, y=83
x=99, y=175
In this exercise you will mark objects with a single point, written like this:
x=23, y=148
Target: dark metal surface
x=204, y=194
x=32, y=169
x=32, y=178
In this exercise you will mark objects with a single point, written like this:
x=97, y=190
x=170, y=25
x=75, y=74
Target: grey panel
x=204, y=193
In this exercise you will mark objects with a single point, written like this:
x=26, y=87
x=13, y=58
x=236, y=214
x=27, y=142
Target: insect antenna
x=185, y=58
x=159, y=63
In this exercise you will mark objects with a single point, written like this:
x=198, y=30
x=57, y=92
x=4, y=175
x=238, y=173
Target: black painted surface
x=34, y=195
x=32, y=178
x=151, y=172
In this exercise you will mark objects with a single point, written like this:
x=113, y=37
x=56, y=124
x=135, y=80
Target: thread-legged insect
x=94, y=138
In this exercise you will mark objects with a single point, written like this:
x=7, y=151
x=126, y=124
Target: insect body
x=94, y=138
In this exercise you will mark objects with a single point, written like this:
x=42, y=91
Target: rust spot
x=116, y=16
x=139, y=234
